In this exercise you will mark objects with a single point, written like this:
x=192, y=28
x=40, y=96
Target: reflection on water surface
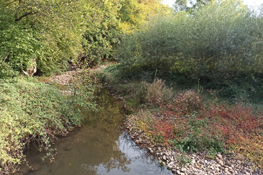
x=99, y=147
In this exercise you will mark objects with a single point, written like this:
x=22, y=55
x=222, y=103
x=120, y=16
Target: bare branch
x=24, y=15
x=5, y=58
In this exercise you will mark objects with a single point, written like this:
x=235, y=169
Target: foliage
x=134, y=13
x=183, y=5
x=51, y=31
x=62, y=31
x=17, y=42
x=211, y=128
x=149, y=93
x=223, y=40
x=184, y=103
x=35, y=112
x=183, y=159
x=242, y=128
x=103, y=33
x=110, y=20
x=156, y=92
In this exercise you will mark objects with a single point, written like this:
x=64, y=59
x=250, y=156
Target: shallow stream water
x=99, y=147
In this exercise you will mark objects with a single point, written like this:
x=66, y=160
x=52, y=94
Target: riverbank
x=190, y=132
x=100, y=146
x=183, y=163
x=35, y=112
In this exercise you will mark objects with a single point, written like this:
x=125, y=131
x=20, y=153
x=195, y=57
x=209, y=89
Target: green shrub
x=32, y=111
x=102, y=35
x=219, y=41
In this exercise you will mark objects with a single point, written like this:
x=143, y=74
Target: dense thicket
x=47, y=30
x=219, y=41
x=56, y=32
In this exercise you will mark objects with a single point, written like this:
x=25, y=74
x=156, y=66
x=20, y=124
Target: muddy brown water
x=99, y=147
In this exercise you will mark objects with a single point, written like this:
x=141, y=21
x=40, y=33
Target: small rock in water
x=164, y=157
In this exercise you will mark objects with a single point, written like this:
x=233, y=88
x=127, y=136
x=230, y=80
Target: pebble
x=201, y=164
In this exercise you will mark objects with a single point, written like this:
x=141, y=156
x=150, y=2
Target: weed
x=157, y=92
x=183, y=103
x=183, y=159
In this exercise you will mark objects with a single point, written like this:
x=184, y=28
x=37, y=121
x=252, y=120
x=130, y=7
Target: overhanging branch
x=24, y=15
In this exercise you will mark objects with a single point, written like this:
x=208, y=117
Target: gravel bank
x=193, y=164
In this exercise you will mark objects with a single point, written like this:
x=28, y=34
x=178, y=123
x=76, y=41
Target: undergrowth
x=190, y=125
x=35, y=112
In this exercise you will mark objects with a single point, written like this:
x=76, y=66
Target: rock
x=220, y=162
x=183, y=169
x=219, y=156
x=164, y=157
x=239, y=157
x=137, y=141
x=24, y=169
x=228, y=163
x=193, y=161
x=208, y=157
x=169, y=167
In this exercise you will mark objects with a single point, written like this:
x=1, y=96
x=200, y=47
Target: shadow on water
x=99, y=147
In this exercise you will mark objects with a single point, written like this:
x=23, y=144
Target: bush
x=156, y=92
x=220, y=41
x=35, y=112
x=102, y=35
x=184, y=103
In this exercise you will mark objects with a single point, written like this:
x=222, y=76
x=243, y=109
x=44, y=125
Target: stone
x=164, y=157
x=239, y=157
x=220, y=162
x=169, y=167
x=208, y=157
x=24, y=169
x=183, y=169
x=219, y=156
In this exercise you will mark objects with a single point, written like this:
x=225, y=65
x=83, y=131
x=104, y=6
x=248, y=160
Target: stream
x=99, y=147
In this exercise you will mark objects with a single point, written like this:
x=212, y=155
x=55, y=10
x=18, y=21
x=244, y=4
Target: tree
x=48, y=30
x=183, y=5
x=136, y=12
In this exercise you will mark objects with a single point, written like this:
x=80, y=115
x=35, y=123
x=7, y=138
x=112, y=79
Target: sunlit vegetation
x=35, y=112
x=161, y=54
x=210, y=58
